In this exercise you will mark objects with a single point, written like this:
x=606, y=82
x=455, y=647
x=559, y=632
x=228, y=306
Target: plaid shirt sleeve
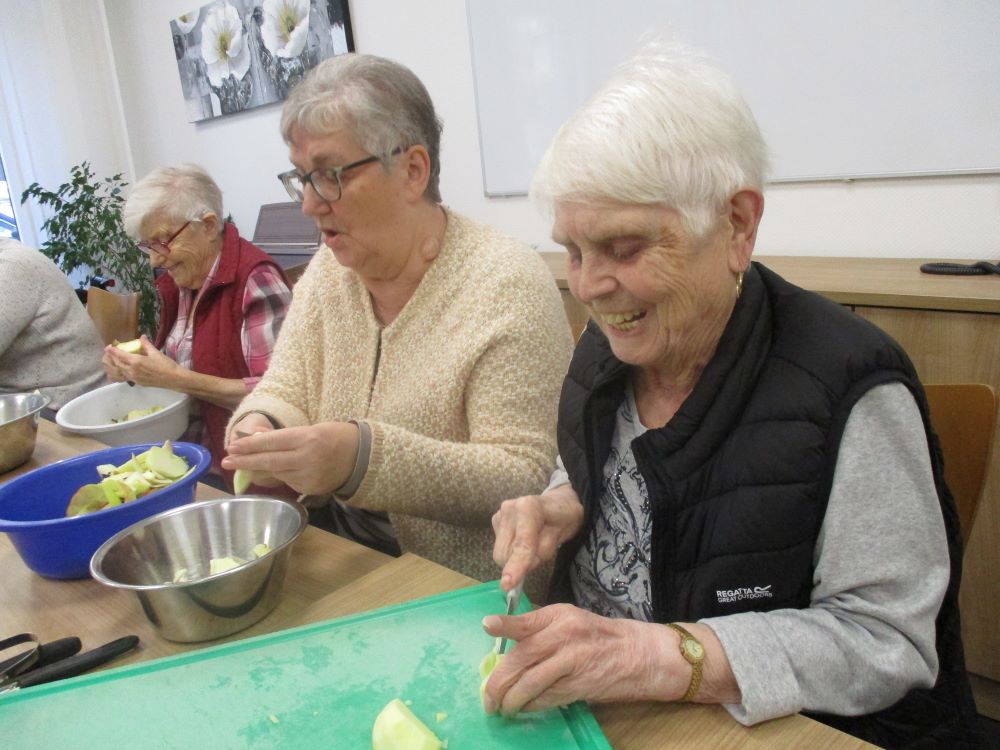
x=265, y=302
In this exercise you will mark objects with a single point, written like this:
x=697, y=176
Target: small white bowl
x=91, y=413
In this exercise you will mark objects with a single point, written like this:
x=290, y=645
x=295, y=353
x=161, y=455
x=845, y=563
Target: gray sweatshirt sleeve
x=559, y=476
x=881, y=569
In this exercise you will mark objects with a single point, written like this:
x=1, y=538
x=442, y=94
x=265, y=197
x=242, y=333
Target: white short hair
x=183, y=193
x=668, y=127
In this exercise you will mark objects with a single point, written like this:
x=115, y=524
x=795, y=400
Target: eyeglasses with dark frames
x=162, y=247
x=326, y=181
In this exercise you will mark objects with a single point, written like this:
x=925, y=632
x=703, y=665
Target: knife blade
x=513, y=600
x=75, y=665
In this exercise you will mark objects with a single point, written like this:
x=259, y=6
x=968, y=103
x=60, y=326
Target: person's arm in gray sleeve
x=882, y=567
x=19, y=300
x=559, y=476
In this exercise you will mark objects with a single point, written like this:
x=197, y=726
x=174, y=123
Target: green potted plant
x=85, y=231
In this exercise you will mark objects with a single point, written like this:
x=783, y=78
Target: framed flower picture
x=234, y=55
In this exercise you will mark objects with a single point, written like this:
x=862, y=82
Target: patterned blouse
x=610, y=573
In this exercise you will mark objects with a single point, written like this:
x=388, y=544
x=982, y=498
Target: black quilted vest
x=739, y=478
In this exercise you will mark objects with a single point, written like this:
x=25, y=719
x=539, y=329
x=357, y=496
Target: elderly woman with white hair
x=415, y=383
x=750, y=507
x=222, y=301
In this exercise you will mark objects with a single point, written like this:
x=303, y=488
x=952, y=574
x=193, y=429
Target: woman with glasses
x=414, y=384
x=222, y=301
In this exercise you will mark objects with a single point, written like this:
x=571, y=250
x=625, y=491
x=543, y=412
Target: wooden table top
x=332, y=577
x=878, y=282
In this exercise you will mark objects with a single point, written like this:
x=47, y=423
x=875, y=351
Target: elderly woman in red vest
x=222, y=300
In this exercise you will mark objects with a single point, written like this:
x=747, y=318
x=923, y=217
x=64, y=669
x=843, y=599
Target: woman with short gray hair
x=750, y=506
x=383, y=103
x=222, y=301
x=415, y=382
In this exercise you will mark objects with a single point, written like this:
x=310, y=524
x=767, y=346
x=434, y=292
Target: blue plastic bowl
x=33, y=508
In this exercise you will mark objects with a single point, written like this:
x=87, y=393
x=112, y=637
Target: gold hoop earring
x=739, y=284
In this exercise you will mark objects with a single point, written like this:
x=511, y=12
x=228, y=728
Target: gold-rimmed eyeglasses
x=161, y=247
x=326, y=181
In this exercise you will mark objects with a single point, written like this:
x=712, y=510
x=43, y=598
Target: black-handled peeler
x=73, y=665
x=48, y=653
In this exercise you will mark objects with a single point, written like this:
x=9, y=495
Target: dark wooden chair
x=964, y=416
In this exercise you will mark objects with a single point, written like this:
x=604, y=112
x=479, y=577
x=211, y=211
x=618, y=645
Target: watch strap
x=696, y=664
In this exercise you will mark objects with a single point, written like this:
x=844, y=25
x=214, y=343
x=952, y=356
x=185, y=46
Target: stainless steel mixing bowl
x=18, y=427
x=166, y=560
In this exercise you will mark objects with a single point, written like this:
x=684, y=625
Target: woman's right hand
x=530, y=529
x=250, y=424
x=111, y=369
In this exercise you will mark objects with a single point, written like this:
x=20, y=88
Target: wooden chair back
x=116, y=316
x=964, y=416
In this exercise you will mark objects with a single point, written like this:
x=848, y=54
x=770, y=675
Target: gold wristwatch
x=694, y=654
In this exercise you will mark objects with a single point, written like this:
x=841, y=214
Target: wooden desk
x=331, y=577
x=950, y=327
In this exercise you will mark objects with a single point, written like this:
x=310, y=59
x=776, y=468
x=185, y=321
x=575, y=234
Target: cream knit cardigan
x=460, y=390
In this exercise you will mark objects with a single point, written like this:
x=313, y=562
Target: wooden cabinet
x=950, y=327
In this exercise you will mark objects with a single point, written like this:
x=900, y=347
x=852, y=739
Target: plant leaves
x=84, y=230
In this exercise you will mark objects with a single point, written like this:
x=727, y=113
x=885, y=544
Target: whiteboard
x=842, y=90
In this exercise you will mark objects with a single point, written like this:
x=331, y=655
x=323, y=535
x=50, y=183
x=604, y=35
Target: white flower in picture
x=187, y=21
x=223, y=44
x=286, y=24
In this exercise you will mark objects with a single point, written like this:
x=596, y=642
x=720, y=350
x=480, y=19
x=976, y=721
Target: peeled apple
x=131, y=347
x=397, y=728
x=486, y=667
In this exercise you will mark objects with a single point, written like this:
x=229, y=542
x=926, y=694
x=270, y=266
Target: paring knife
x=513, y=599
x=75, y=665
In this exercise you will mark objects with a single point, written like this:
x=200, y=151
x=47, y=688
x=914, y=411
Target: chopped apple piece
x=397, y=728
x=165, y=462
x=222, y=564
x=259, y=550
x=242, y=479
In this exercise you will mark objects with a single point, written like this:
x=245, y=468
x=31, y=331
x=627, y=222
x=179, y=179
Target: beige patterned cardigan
x=461, y=399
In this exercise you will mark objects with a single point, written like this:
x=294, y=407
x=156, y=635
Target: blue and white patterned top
x=610, y=573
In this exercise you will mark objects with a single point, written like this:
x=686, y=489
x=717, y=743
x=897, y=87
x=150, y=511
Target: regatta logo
x=738, y=595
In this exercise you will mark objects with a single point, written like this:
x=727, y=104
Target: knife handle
x=57, y=650
x=80, y=663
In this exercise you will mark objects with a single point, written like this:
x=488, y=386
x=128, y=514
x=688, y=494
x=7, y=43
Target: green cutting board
x=317, y=686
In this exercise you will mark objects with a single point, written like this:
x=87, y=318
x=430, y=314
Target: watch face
x=693, y=648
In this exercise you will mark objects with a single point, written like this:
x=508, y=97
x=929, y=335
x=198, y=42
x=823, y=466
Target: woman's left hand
x=152, y=367
x=313, y=460
x=565, y=653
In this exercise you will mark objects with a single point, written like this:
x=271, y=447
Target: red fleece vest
x=216, y=345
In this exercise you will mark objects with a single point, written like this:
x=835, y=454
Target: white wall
x=58, y=98
x=956, y=217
